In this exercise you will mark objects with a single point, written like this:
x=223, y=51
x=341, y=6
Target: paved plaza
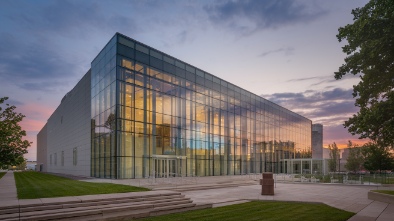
x=349, y=198
x=227, y=190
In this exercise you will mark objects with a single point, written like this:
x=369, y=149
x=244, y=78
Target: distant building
x=326, y=153
x=317, y=141
x=344, y=157
x=31, y=165
x=345, y=153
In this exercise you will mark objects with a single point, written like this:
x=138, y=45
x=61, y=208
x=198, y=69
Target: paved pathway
x=349, y=198
x=346, y=197
x=353, y=198
x=8, y=195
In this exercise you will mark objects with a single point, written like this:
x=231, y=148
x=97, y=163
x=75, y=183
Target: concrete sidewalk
x=8, y=194
x=347, y=197
x=353, y=198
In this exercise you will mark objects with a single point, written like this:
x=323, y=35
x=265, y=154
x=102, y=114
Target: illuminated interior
x=149, y=108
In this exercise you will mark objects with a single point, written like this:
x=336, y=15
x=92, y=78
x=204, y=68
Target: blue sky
x=284, y=50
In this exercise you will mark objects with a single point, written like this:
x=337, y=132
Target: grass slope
x=390, y=192
x=2, y=174
x=33, y=185
x=263, y=210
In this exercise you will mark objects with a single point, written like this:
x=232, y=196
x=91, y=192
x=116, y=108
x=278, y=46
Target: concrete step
x=116, y=207
x=9, y=210
x=98, y=203
x=178, y=209
x=9, y=216
x=107, y=208
x=121, y=215
x=39, y=208
x=128, y=215
x=86, y=212
x=174, y=202
x=205, y=187
x=173, y=207
x=96, y=198
x=11, y=219
x=88, y=208
x=61, y=215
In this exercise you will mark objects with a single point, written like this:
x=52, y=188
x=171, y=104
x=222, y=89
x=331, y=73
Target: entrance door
x=168, y=166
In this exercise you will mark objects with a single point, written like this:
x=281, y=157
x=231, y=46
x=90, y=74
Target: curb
x=381, y=197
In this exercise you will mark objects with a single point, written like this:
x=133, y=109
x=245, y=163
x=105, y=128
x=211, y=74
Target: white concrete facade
x=68, y=133
x=42, y=150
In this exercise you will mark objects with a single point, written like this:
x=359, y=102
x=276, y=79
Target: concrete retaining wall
x=381, y=197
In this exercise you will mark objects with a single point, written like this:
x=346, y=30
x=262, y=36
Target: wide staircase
x=123, y=206
x=209, y=186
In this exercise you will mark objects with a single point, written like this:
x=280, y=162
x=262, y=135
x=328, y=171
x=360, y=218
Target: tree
x=377, y=158
x=22, y=165
x=370, y=54
x=355, y=159
x=334, y=157
x=110, y=122
x=303, y=154
x=12, y=146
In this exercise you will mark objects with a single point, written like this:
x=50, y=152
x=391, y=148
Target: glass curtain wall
x=146, y=104
x=103, y=110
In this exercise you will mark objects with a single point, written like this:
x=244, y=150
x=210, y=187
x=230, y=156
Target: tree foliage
x=22, y=165
x=110, y=122
x=12, y=145
x=355, y=159
x=377, y=158
x=370, y=54
x=303, y=154
x=334, y=157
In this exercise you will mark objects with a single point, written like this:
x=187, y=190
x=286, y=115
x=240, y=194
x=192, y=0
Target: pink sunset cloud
x=331, y=108
x=36, y=117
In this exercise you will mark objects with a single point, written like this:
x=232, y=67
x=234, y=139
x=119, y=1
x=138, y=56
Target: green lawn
x=263, y=210
x=390, y=192
x=2, y=174
x=33, y=185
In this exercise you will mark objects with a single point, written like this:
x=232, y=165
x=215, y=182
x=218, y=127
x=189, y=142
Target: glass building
x=154, y=115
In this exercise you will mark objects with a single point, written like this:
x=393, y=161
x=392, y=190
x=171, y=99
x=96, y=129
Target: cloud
x=22, y=63
x=249, y=15
x=320, y=80
x=339, y=135
x=73, y=19
x=330, y=108
x=311, y=96
x=45, y=86
x=317, y=104
x=11, y=101
x=303, y=79
x=47, y=44
x=287, y=51
x=324, y=80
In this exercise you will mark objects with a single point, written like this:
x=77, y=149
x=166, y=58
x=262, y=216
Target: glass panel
x=171, y=108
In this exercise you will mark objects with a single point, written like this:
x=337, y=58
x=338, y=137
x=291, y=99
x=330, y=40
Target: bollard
x=267, y=184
